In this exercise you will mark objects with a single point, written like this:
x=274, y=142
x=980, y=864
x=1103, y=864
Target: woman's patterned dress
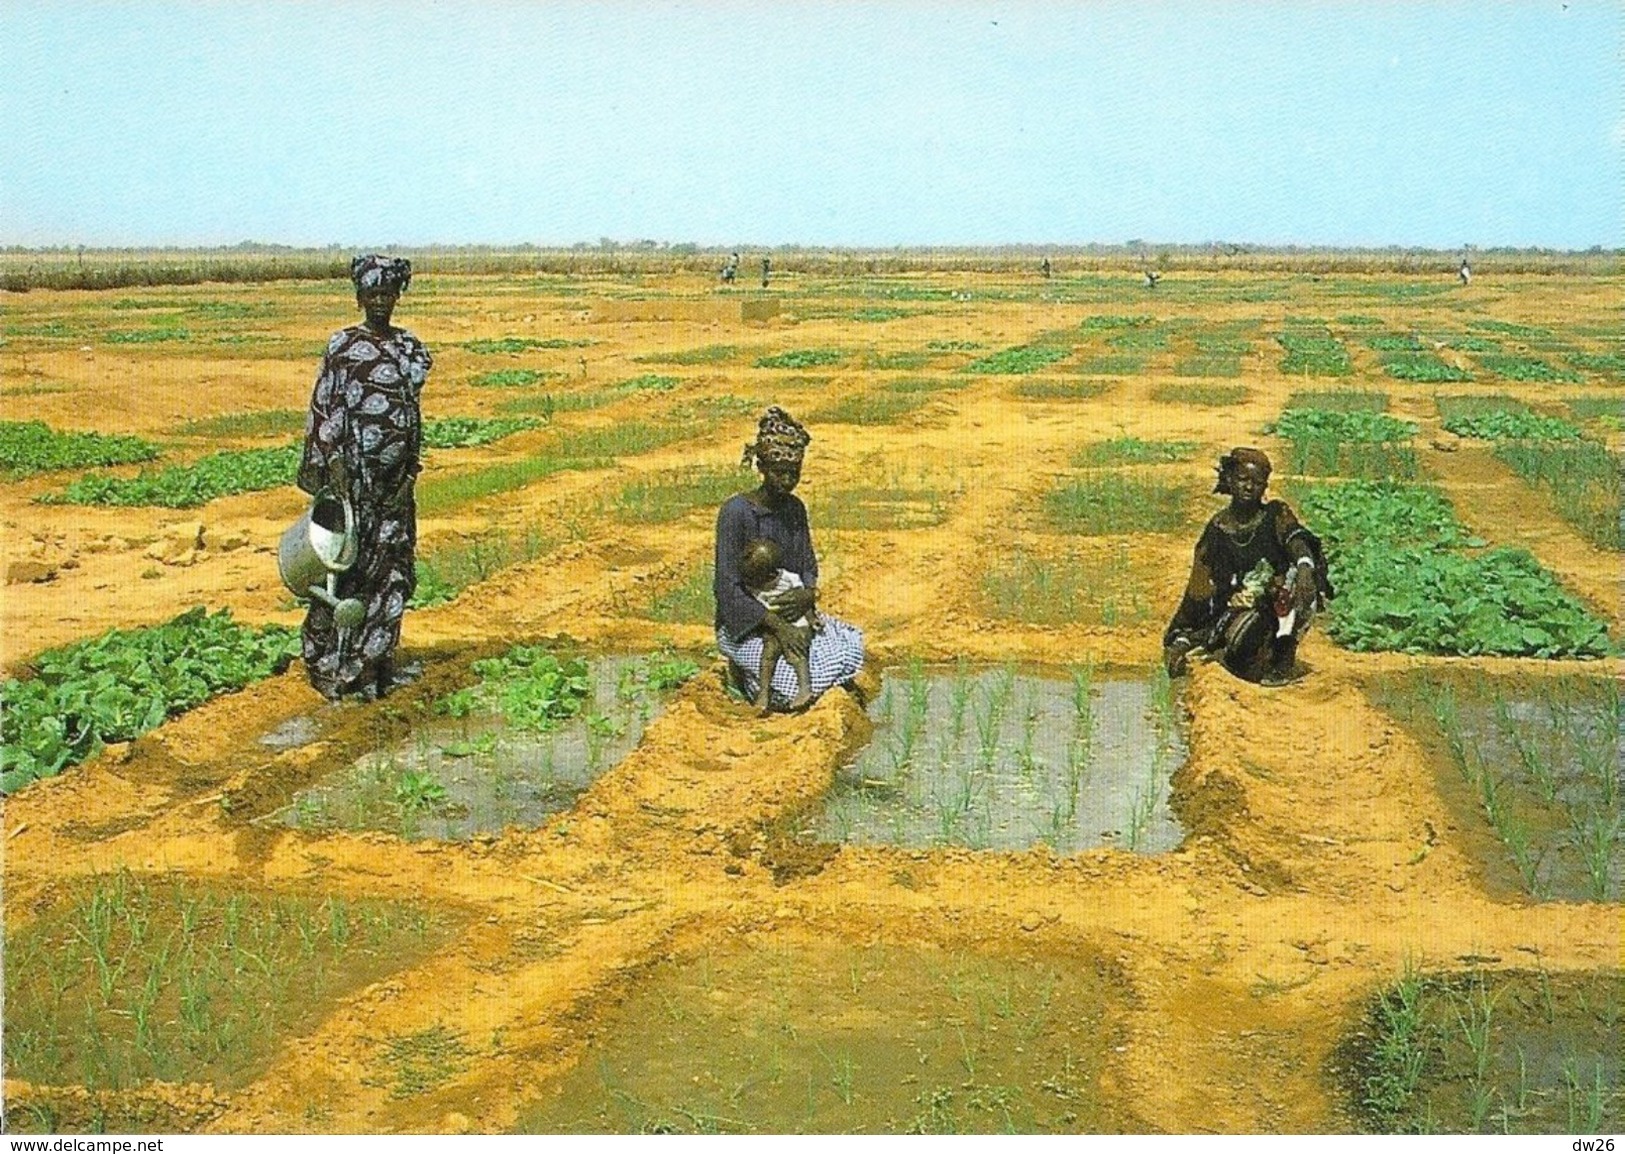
x=364, y=411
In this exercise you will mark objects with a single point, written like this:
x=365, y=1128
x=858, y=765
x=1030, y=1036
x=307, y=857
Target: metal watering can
x=315, y=550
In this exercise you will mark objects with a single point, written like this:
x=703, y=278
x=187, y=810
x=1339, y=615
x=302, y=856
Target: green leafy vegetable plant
x=466, y=432
x=124, y=683
x=186, y=486
x=528, y=686
x=800, y=359
x=34, y=447
x=1019, y=360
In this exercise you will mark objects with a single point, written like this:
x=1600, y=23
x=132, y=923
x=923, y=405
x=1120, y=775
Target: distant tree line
x=76, y=267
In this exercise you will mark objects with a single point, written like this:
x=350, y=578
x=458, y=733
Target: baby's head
x=760, y=563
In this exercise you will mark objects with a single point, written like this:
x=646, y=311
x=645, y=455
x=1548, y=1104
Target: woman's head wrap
x=780, y=440
x=1235, y=459
x=374, y=271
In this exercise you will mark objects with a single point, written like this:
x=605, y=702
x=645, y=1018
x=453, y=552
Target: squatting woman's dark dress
x=1224, y=556
x=364, y=411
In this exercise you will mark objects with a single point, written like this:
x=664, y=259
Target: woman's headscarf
x=374, y=271
x=780, y=440
x=1235, y=459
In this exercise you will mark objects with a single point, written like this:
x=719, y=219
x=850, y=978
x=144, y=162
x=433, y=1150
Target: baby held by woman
x=760, y=568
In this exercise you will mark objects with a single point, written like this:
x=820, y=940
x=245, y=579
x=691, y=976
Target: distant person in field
x=363, y=440
x=1464, y=273
x=761, y=572
x=1257, y=579
x=731, y=269
x=1046, y=269
x=832, y=649
x=1151, y=278
x=767, y=268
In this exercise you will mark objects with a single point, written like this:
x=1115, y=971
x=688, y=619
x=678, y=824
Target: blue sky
x=845, y=123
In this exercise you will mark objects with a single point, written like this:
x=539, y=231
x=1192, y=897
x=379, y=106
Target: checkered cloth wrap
x=835, y=658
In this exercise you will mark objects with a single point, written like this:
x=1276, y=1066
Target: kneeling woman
x=1257, y=578
x=833, y=649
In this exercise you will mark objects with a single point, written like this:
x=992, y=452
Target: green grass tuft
x=265, y=423
x=870, y=408
x=1207, y=396
x=1133, y=451
x=1108, y=503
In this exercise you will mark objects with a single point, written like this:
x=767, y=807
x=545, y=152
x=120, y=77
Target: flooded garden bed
x=823, y=1037
x=522, y=744
x=1002, y=759
x=125, y=980
x=1532, y=769
x=1491, y=1052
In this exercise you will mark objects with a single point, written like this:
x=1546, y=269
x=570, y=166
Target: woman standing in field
x=363, y=440
x=1256, y=580
x=833, y=649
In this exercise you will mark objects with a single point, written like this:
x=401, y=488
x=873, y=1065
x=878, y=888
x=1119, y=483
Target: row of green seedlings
x=1107, y=588
x=136, y=979
x=810, y=358
x=1407, y=358
x=1310, y=350
x=1409, y=578
x=962, y=783
x=1351, y=437
x=951, y=1057
x=80, y=697
x=897, y=497
x=1104, y=587
x=1542, y=812
x=596, y=447
x=251, y=470
x=549, y=403
x=896, y=399
x=1211, y=349
x=1581, y=474
x=1437, y=1062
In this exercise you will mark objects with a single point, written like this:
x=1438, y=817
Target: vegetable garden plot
x=1519, y=368
x=993, y=759
x=514, y=750
x=1349, y=442
x=124, y=683
x=1406, y=581
x=813, y=1036
x=1312, y=351
x=125, y=979
x=34, y=447
x=1501, y=418
x=1584, y=479
x=1535, y=769
x=1490, y=1052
